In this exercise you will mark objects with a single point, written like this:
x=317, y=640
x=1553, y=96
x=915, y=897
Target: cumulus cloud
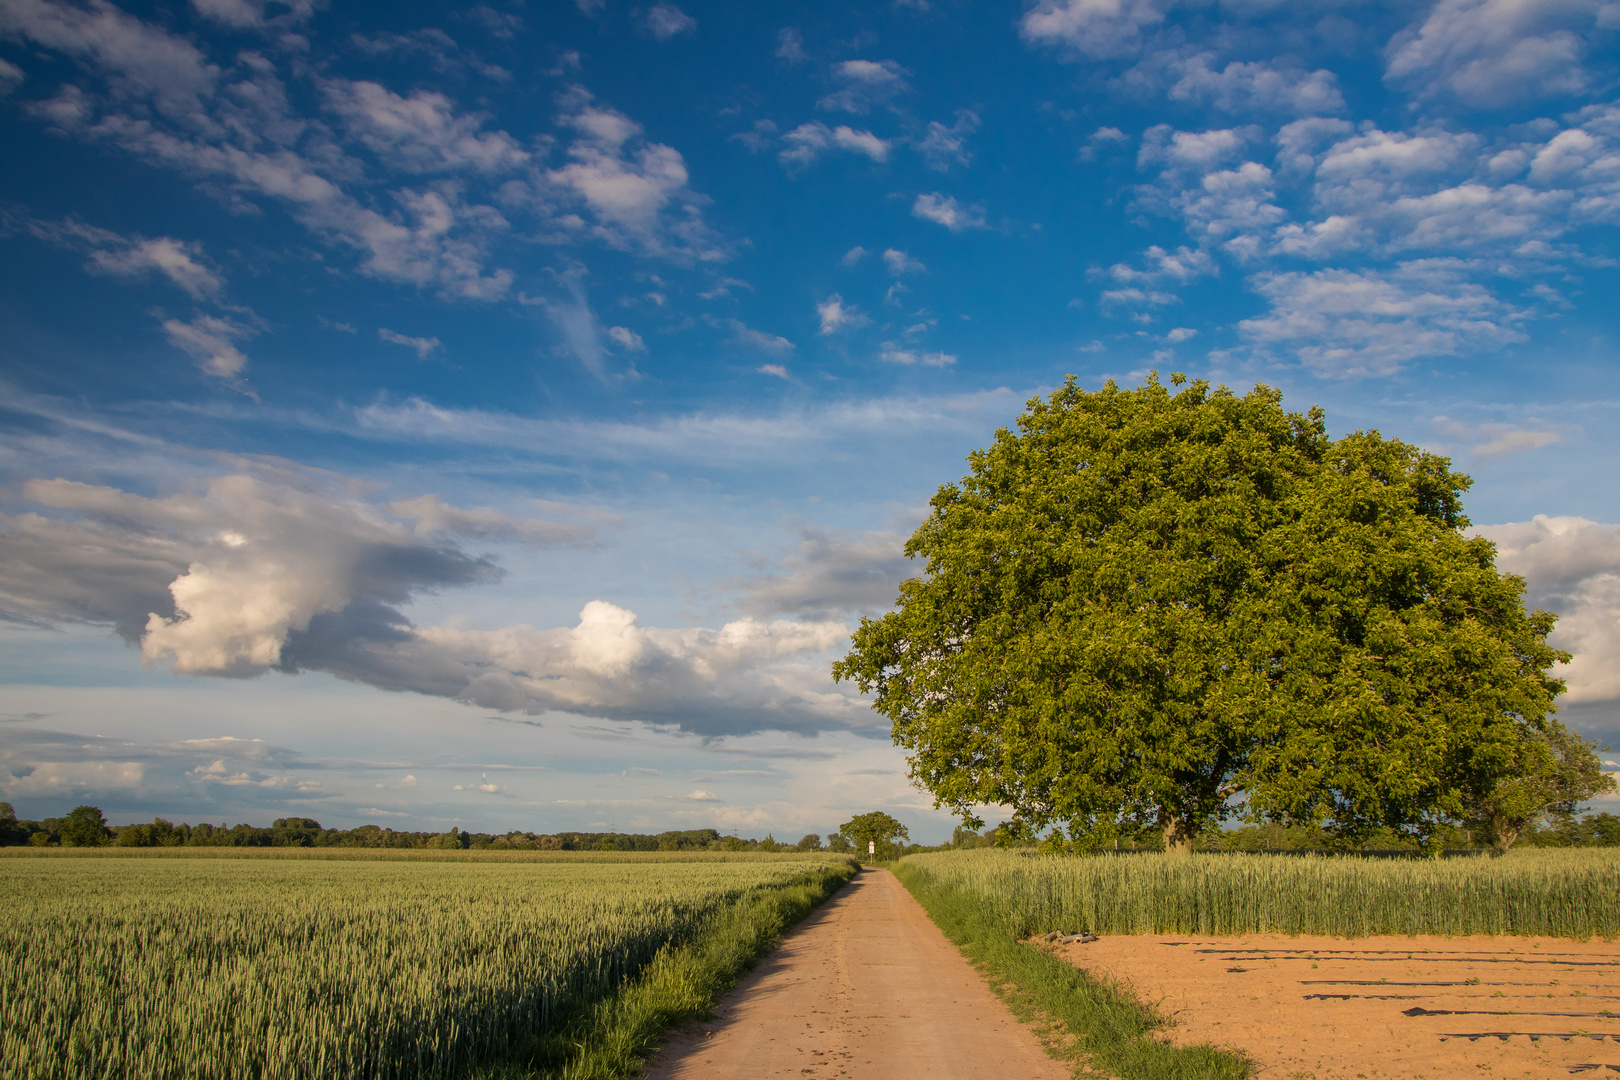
x=637, y=190
x=1344, y=323
x=421, y=133
x=1571, y=566
x=899, y=263
x=807, y=142
x=865, y=83
x=211, y=342
x=1095, y=28
x=835, y=315
x=626, y=339
x=256, y=574
x=665, y=21
x=1495, y=53
x=946, y=146
x=947, y=211
x=790, y=45
x=774, y=370
x=1256, y=86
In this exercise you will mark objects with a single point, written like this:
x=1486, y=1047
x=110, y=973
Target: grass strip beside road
x=1106, y=1028
x=613, y=1038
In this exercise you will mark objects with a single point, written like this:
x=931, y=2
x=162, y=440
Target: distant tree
x=84, y=827
x=1559, y=771
x=9, y=830
x=874, y=828
x=840, y=843
x=1156, y=609
x=769, y=843
x=809, y=842
x=295, y=832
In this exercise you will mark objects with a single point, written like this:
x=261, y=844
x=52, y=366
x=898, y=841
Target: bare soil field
x=867, y=988
x=1418, y=1008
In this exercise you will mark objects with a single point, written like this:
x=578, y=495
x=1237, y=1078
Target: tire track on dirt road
x=866, y=988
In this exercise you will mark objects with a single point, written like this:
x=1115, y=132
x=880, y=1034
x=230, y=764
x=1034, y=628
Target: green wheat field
x=1559, y=893
x=339, y=965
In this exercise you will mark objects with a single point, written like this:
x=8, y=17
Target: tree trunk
x=1178, y=838
x=1503, y=834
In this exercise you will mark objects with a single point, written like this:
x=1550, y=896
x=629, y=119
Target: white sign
x=871, y=847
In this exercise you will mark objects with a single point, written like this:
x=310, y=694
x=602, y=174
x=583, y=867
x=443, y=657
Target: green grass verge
x=612, y=1038
x=1107, y=1030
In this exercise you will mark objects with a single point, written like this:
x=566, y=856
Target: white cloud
x=141, y=61
x=1199, y=151
x=900, y=263
x=1100, y=138
x=1343, y=323
x=809, y=141
x=895, y=354
x=636, y=189
x=865, y=83
x=1495, y=53
x=254, y=14
x=836, y=316
x=947, y=211
x=854, y=255
x=1245, y=88
x=776, y=370
x=424, y=347
x=790, y=45
x=1096, y=28
x=626, y=339
x=946, y=146
x=665, y=21
x=11, y=77
x=1496, y=439
x=211, y=342
x=1137, y=298
x=1571, y=566
x=758, y=339
x=421, y=133
x=703, y=796
x=1180, y=334
x=180, y=262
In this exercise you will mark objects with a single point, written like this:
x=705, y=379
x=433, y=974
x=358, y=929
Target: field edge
x=614, y=1037
x=1092, y=1022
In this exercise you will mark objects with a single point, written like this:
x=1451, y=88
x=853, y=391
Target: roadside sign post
x=871, y=847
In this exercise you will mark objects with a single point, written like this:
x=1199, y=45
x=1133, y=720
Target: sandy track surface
x=1319, y=1008
x=867, y=988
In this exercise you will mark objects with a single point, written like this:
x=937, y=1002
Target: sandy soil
x=1419, y=1008
x=867, y=988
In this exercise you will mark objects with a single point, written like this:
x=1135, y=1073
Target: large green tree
x=1148, y=607
x=875, y=828
x=84, y=827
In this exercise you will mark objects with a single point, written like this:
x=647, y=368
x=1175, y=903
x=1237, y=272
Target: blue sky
x=499, y=415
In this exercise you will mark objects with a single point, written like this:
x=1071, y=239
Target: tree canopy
x=876, y=827
x=1156, y=607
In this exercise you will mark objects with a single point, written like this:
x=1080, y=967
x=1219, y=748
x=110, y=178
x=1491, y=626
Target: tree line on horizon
x=86, y=826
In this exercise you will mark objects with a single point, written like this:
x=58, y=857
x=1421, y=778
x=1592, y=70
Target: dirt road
x=867, y=988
